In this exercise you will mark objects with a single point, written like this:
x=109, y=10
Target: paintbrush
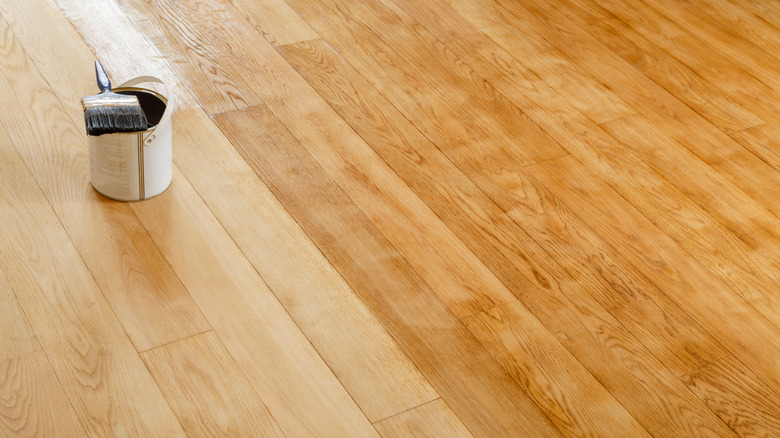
x=109, y=112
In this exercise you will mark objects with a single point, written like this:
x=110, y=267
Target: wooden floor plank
x=434, y=419
x=522, y=89
x=112, y=37
x=484, y=397
x=107, y=384
x=650, y=60
x=729, y=387
x=32, y=402
x=730, y=28
x=207, y=391
x=530, y=21
x=687, y=127
x=170, y=28
x=438, y=18
x=744, y=267
x=717, y=308
x=693, y=31
x=278, y=23
x=762, y=141
x=532, y=52
x=532, y=355
x=148, y=297
x=448, y=192
x=427, y=168
x=739, y=397
x=383, y=381
x=600, y=150
x=636, y=89
x=453, y=272
x=406, y=63
x=18, y=338
x=31, y=21
x=738, y=85
x=433, y=219
x=681, y=80
x=69, y=96
x=388, y=297
x=743, y=169
x=766, y=11
x=400, y=215
x=276, y=357
x=531, y=91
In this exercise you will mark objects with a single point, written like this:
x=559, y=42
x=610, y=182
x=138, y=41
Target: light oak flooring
x=398, y=218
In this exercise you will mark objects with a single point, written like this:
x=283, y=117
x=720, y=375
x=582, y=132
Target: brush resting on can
x=109, y=112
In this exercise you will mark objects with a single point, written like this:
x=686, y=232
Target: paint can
x=137, y=165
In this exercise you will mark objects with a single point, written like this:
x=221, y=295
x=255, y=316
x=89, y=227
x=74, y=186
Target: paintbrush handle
x=102, y=78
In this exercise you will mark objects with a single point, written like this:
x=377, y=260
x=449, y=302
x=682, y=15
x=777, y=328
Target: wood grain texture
x=278, y=23
x=400, y=215
x=169, y=28
x=768, y=12
x=434, y=419
x=151, y=302
x=682, y=80
x=532, y=355
x=382, y=372
x=113, y=38
x=207, y=391
x=32, y=402
x=725, y=156
x=106, y=382
x=365, y=359
x=530, y=198
x=715, y=30
x=286, y=355
x=739, y=397
x=743, y=266
x=406, y=62
x=506, y=33
x=742, y=168
x=30, y=22
x=443, y=218
x=18, y=338
x=717, y=308
x=738, y=18
x=483, y=396
x=727, y=388
x=584, y=139
x=438, y=18
x=583, y=50
x=762, y=141
x=347, y=92
x=604, y=144
x=593, y=146
x=722, y=65
x=432, y=175
x=294, y=382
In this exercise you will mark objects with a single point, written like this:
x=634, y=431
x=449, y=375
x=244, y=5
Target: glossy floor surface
x=397, y=218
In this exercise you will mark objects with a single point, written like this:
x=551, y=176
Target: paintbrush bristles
x=110, y=119
x=108, y=113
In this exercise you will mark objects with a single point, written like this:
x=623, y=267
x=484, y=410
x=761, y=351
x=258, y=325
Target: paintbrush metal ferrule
x=108, y=100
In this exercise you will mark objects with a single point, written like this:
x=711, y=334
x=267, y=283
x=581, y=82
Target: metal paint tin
x=138, y=165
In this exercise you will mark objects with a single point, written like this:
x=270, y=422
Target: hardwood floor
x=398, y=218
